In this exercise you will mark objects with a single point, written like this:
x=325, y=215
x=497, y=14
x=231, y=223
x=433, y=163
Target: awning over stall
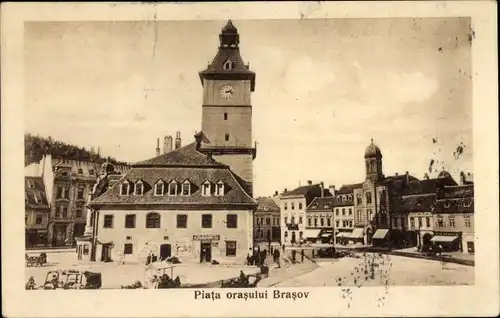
x=310, y=233
x=357, y=233
x=344, y=234
x=380, y=234
x=443, y=239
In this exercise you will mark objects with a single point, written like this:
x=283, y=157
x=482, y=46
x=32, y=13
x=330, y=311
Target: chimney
x=462, y=178
x=332, y=190
x=275, y=193
x=157, y=147
x=322, y=186
x=396, y=174
x=426, y=176
x=309, y=182
x=167, y=144
x=285, y=191
x=407, y=177
x=178, y=140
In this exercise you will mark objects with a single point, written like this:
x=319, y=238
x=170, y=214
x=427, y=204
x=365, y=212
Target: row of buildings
x=398, y=210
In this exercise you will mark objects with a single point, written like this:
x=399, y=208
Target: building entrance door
x=80, y=251
x=106, y=253
x=165, y=251
x=205, y=252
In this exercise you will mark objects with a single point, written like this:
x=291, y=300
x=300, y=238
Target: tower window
x=227, y=137
x=225, y=116
x=228, y=65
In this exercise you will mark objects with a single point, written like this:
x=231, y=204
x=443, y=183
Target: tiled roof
x=428, y=185
x=224, y=54
x=34, y=186
x=455, y=192
x=185, y=156
x=234, y=193
x=321, y=204
x=349, y=188
x=304, y=190
x=458, y=205
x=267, y=204
x=418, y=203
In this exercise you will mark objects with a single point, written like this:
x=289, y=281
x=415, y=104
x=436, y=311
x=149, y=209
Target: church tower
x=227, y=110
x=373, y=162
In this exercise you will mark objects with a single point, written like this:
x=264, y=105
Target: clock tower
x=227, y=110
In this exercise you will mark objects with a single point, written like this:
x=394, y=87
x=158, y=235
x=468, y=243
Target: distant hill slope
x=35, y=147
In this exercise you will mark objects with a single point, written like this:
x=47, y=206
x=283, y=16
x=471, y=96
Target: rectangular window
x=38, y=219
x=359, y=200
x=206, y=189
x=66, y=193
x=230, y=248
x=328, y=222
x=80, y=171
x=285, y=219
x=219, y=190
x=337, y=212
x=65, y=212
x=337, y=223
x=128, y=248
x=59, y=192
x=124, y=189
x=226, y=137
x=225, y=116
x=232, y=221
x=300, y=220
x=159, y=189
x=420, y=224
x=350, y=211
x=172, y=189
x=293, y=220
x=344, y=223
x=292, y=206
x=139, y=188
x=467, y=222
x=182, y=221
x=350, y=223
x=343, y=212
x=440, y=222
x=451, y=221
x=130, y=221
x=108, y=221
x=427, y=221
x=322, y=222
x=206, y=221
x=412, y=223
x=315, y=221
x=185, y=189
x=396, y=221
x=79, y=212
x=309, y=222
x=79, y=194
x=268, y=221
x=286, y=207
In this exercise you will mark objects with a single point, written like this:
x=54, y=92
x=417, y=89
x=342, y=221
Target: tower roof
x=373, y=151
x=228, y=62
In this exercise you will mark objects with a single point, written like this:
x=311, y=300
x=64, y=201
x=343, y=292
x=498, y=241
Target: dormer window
x=206, y=189
x=344, y=198
x=125, y=188
x=186, y=188
x=219, y=188
x=30, y=184
x=80, y=171
x=228, y=65
x=139, y=188
x=159, y=188
x=172, y=188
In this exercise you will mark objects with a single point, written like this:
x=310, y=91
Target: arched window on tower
x=228, y=65
x=368, y=167
x=374, y=166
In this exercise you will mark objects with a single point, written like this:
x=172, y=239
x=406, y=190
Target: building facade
x=320, y=220
x=267, y=220
x=36, y=215
x=344, y=213
x=195, y=202
x=67, y=184
x=453, y=217
x=293, y=206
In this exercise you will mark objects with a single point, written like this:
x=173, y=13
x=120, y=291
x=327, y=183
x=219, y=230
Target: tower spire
x=229, y=36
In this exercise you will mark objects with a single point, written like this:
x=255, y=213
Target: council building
x=194, y=202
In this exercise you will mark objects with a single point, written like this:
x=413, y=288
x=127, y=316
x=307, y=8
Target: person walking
x=283, y=247
x=302, y=256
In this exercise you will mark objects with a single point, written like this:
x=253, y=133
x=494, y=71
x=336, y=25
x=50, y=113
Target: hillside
x=35, y=147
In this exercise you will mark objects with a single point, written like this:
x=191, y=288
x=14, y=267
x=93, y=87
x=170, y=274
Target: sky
x=324, y=88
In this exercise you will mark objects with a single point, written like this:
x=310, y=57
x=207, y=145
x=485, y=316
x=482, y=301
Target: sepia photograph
x=268, y=154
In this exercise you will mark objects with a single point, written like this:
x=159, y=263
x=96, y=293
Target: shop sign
x=206, y=237
x=448, y=233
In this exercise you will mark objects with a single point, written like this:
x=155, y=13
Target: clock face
x=226, y=91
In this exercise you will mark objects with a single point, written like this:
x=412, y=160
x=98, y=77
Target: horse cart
x=35, y=260
x=72, y=279
x=157, y=277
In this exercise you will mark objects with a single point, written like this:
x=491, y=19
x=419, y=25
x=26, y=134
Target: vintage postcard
x=264, y=159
